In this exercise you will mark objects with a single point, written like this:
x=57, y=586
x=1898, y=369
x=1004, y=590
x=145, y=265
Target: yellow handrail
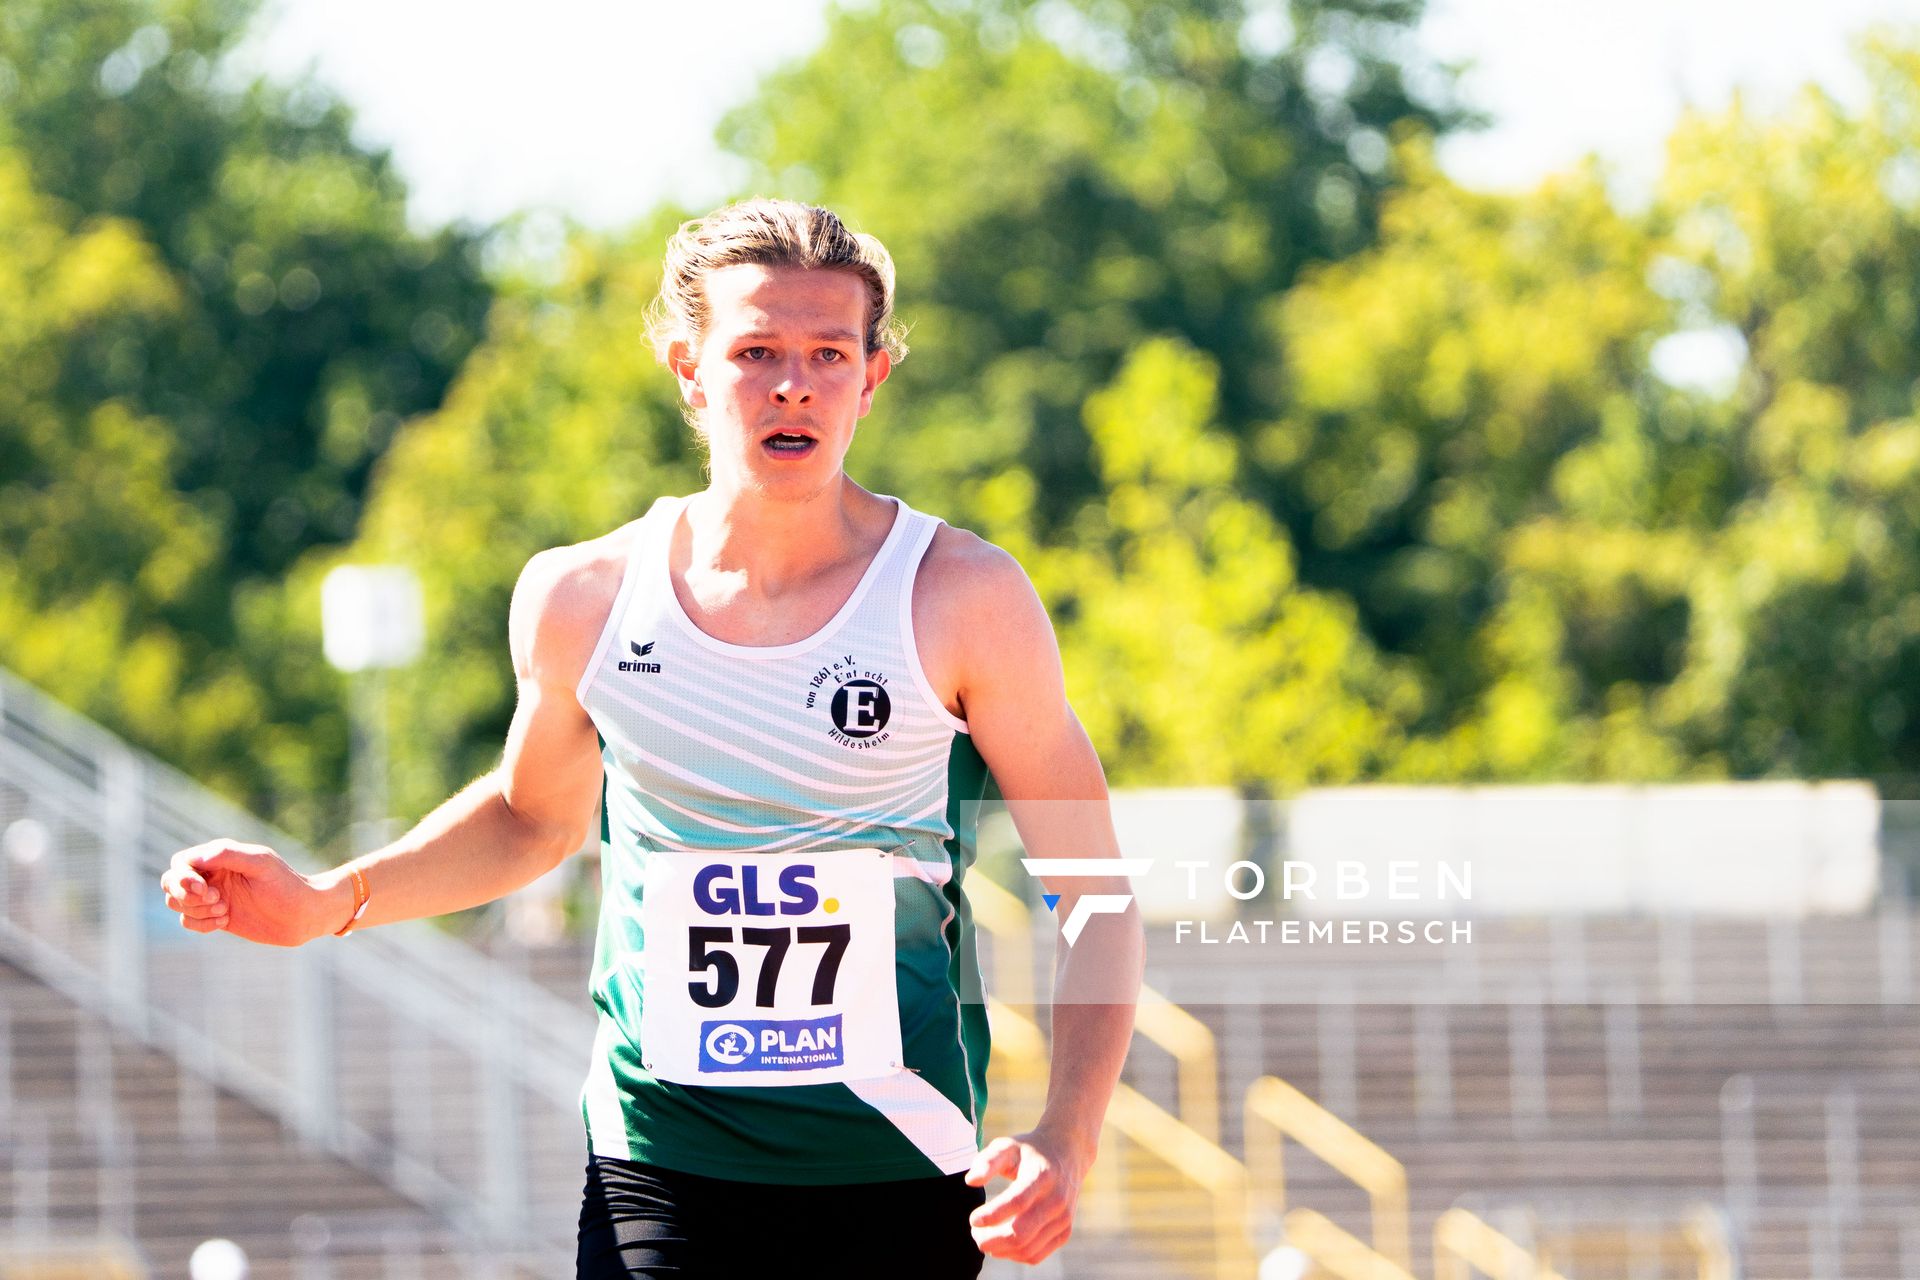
x=1336, y=1252
x=1707, y=1234
x=1190, y=1041
x=1702, y=1235
x=1463, y=1243
x=1200, y=1161
x=72, y=1260
x=1277, y=1111
x=1003, y=915
x=1194, y=1050
x=1020, y=1050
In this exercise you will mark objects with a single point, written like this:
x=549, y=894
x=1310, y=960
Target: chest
x=726, y=606
x=724, y=609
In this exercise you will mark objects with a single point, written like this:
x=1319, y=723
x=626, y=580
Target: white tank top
x=831, y=743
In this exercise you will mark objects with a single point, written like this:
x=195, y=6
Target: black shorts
x=640, y=1222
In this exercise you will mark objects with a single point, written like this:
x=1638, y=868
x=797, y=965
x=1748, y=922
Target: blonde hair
x=770, y=233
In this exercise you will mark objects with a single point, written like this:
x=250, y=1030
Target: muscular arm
x=1010, y=686
x=513, y=825
x=501, y=832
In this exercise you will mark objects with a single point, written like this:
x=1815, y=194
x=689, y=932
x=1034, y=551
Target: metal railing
x=1337, y=1252
x=1593, y=1233
x=1197, y=1160
x=1195, y=1054
x=1020, y=1053
x=1276, y=1111
x=106, y=1259
x=1699, y=1239
x=1803, y=1121
x=1009, y=925
x=400, y=1050
x=1463, y=1242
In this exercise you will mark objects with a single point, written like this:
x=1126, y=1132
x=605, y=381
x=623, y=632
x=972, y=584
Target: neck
x=776, y=540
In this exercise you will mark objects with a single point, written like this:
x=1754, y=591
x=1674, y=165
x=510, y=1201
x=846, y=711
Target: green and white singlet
x=785, y=969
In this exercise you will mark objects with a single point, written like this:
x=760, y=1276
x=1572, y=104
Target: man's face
x=781, y=377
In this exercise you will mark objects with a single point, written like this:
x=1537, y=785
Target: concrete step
x=245, y=1179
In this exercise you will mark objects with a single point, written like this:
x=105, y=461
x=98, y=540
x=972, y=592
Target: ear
x=686, y=371
x=879, y=365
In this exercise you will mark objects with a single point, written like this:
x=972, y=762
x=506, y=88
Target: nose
x=792, y=387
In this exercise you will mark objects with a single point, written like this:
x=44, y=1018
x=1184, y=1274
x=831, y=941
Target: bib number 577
x=706, y=954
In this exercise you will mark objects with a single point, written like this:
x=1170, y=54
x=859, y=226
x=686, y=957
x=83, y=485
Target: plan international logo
x=759, y=1045
x=1086, y=905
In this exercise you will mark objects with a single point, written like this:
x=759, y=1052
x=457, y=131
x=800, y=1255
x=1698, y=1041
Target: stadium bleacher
x=1617, y=1095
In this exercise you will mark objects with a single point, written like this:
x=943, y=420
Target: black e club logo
x=861, y=708
x=857, y=701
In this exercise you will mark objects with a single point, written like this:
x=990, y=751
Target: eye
x=833, y=355
x=755, y=353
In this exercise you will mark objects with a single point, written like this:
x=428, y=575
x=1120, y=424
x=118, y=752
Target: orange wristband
x=361, y=897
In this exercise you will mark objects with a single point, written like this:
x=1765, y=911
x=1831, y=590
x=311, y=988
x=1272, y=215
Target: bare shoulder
x=962, y=570
x=973, y=598
x=561, y=604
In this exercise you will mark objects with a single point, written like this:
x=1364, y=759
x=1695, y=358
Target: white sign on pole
x=371, y=617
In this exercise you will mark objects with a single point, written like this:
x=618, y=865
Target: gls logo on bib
x=717, y=895
x=766, y=968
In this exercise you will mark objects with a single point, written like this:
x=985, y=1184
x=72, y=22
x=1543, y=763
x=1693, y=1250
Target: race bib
x=769, y=969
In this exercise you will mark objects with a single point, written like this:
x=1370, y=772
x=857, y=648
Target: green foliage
x=1192, y=654
x=311, y=319
x=1439, y=385
x=561, y=428
x=1803, y=234
x=210, y=440
x=1600, y=574
x=1420, y=511
x=1327, y=468
x=1061, y=181
x=1170, y=178
x=100, y=544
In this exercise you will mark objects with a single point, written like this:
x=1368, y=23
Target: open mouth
x=788, y=444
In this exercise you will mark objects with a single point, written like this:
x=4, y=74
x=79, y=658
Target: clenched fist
x=247, y=890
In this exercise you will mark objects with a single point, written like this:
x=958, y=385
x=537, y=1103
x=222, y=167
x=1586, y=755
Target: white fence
x=445, y=1074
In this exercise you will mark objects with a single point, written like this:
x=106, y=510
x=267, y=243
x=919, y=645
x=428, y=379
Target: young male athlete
x=784, y=692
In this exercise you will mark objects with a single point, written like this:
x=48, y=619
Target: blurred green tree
x=1635, y=492
x=305, y=321
x=1193, y=655
x=1060, y=181
x=1327, y=467
x=96, y=540
x=1435, y=384
x=561, y=428
x=311, y=318
x=1791, y=512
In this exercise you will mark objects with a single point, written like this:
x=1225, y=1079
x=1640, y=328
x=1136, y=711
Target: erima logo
x=640, y=651
x=1087, y=904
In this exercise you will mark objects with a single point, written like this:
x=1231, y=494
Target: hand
x=1033, y=1215
x=247, y=890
